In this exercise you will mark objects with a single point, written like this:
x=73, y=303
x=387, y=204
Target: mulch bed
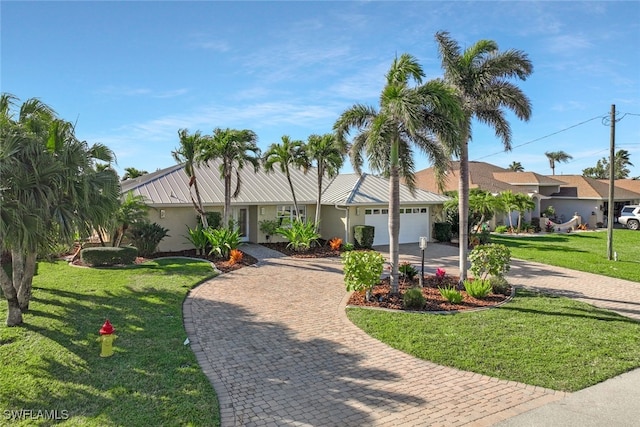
x=382, y=298
x=321, y=250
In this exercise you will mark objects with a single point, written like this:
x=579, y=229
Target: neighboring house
x=568, y=194
x=347, y=200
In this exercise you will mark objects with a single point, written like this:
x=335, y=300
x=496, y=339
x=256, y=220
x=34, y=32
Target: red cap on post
x=107, y=328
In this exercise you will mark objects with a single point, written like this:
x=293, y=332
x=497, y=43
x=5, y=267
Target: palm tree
x=131, y=210
x=288, y=154
x=234, y=148
x=557, y=157
x=131, y=173
x=409, y=115
x=480, y=74
x=621, y=160
x=482, y=205
x=190, y=148
x=524, y=203
x=516, y=167
x=327, y=151
x=50, y=188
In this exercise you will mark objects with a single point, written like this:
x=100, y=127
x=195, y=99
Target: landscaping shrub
x=362, y=270
x=348, y=247
x=407, y=270
x=442, y=231
x=499, y=284
x=106, y=256
x=501, y=229
x=535, y=223
x=335, y=244
x=198, y=239
x=214, y=219
x=413, y=299
x=235, y=256
x=478, y=288
x=146, y=236
x=491, y=259
x=269, y=227
x=363, y=236
x=301, y=235
x=451, y=294
x=222, y=241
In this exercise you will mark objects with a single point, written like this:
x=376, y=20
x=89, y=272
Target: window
x=367, y=211
x=423, y=210
x=385, y=211
x=288, y=213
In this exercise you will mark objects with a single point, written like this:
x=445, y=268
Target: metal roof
x=170, y=186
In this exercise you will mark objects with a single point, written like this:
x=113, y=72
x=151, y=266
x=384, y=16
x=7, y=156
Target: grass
x=546, y=341
x=584, y=251
x=53, y=363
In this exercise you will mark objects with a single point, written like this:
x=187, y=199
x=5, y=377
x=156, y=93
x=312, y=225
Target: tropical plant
x=146, y=236
x=222, y=241
x=407, y=270
x=301, y=235
x=557, y=157
x=269, y=227
x=410, y=114
x=481, y=76
x=516, y=167
x=187, y=153
x=441, y=273
x=130, y=173
x=198, y=239
x=413, y=299
x=327, y=152
x=602, y=168
x=335, y=244
x=478, y=288
x=234, y=148
x=490, y=260
x=235, y=256
x=362, y=270
x=482, y=204
x=49, y=181
x=288, y=154
x=132, y=210
x=451, y=294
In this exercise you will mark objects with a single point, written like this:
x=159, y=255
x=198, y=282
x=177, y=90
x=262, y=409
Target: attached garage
x=414, y=223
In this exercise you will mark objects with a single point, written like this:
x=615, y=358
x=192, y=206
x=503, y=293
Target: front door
x=242, y=219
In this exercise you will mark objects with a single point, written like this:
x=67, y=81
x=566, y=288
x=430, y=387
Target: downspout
x=346, y=227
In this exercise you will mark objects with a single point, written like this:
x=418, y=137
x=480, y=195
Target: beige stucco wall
x=269, y=212
x=176, y=220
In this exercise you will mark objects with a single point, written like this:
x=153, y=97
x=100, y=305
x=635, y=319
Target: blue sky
x=130, y=74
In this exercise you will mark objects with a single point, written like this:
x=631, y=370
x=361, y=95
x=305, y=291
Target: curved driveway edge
x=276, y=344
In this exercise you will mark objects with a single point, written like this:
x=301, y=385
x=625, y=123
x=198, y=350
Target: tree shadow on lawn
x=139, y=379
x=263, y=370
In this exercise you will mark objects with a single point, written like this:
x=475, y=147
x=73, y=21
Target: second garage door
x=414, y=222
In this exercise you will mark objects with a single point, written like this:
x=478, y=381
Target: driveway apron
x=279, y=351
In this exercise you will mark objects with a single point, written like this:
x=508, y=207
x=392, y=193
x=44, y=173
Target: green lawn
x=546, y=341
x=584, y=251
x=53, y=363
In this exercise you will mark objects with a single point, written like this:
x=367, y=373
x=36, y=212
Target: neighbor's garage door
x=414, y=222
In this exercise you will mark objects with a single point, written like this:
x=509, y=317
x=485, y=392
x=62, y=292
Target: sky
x=131, y=74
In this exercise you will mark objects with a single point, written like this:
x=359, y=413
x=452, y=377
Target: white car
x=630, y=217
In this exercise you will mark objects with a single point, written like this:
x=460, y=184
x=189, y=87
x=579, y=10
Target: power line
x=546, y=136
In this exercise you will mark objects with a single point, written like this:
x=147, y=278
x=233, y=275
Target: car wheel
x=632, y=224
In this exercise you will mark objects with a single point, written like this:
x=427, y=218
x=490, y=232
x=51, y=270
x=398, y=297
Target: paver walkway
x=279, y=350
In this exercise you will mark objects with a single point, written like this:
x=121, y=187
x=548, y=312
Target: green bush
x=478, y=288
x=491, y=259
x=105, y=256
x=301, y=235
x=499, y=285
x=451, y=294
x=214, y=219
x=362, y=270
x=501, y=229
x=442, y=231
x=198, y=239
x=269, y=227
x=413, y=299
x=146, y=236
x=347, y=247
x=363, y=236
x=222, y=241
x=407, y=270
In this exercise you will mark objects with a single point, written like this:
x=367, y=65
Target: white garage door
x=414, y=222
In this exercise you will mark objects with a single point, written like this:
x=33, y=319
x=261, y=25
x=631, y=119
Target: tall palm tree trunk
x=293, y=195
x=227, y=197
x=463, y=208
x=394, y=217
x=14, y=315
x=198, y=205
x=319, y=201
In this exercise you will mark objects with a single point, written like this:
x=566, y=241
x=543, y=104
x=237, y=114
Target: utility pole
x=612, y=169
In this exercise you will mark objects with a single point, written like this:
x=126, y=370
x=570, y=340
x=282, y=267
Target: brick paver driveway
x=279, y=350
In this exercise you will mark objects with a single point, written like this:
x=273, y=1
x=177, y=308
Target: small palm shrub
x=198, y=239
x=479, y=288
x=335, y=244
x=413, y=299
x=501, y=229
x=451, y=294
x=222, y=241
x=362, y=270
x=235, y=256
x=301, y=235
x=407, y=270
x=146, y=236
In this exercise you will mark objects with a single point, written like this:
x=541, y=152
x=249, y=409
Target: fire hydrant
x=107, y=337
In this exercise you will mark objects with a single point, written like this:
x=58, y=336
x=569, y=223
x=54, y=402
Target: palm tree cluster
x=52, y=191
x=237, y=148
x=601, y=170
